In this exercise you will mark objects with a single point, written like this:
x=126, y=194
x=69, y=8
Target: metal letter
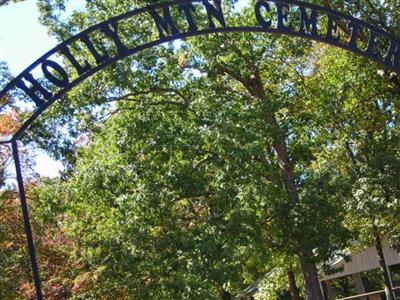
x=332, y=29
x=187, y=9
x=393, y=55
x=371, y=50
x=113, y=34
x=260, y=18
x=215, y=12
x=99, y=57
x=306, y=22
x=60, y=82
x=165, y=23
x=79, y=68
x=283, y=16
x=355, y=29
x=36, y=87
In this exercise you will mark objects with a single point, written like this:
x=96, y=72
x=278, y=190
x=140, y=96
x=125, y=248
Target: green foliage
x=177, y=190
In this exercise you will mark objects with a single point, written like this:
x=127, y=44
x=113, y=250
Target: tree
x=52, y=247
x=363, y=139
x=171, y=201
x=301, y=210
x=6, y=2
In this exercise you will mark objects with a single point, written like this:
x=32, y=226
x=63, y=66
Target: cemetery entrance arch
x=282, y=17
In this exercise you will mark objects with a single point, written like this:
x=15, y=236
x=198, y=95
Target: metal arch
x=377, y=31
x=27, y=224
x=163, y=39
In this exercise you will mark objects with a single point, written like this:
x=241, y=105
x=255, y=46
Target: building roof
x=363, y=261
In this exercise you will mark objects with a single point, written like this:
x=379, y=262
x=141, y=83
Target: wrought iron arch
x=293, y=18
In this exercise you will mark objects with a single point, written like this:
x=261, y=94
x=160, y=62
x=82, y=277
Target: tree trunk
x=308, y=268
x=279, y=144
x=226, y=295
x=310, y=275
x=382, y=263
x=330, y=290
x=294, y=291
x=256, y=88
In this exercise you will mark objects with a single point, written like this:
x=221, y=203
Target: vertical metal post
x=27, y=225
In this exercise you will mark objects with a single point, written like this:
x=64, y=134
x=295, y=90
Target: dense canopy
x=194, y=168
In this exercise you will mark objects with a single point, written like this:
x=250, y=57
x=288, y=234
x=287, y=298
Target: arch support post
x=27, y=225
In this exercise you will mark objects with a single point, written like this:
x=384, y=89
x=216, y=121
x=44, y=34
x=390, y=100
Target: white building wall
x=364, y=261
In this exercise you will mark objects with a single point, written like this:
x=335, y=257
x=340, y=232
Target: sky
x=23, y=40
